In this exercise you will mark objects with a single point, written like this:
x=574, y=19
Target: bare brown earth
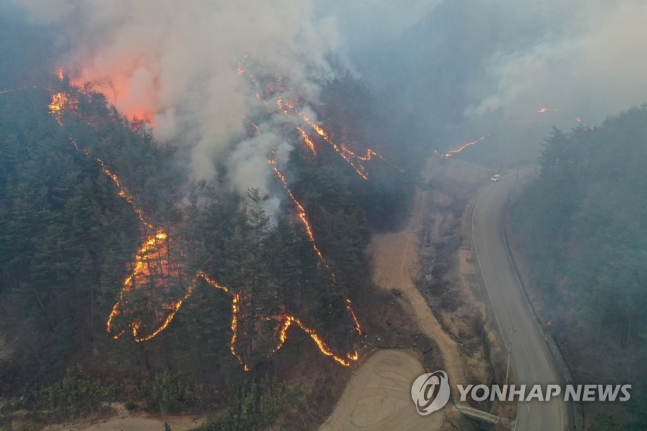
x=377, y=397
x=126, y=421
x=395, y=261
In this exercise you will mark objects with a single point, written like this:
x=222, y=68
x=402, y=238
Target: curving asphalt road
x=529, y=354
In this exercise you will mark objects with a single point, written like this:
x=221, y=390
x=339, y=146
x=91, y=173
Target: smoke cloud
x=177, y=64
x=591, y=72
x=468, y=68
x=462, y=68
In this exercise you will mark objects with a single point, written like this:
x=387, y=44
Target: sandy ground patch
x=126, y=421
x=379, y=397
x=396, y=258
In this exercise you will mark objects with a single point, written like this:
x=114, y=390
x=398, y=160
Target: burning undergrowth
x=159, y=282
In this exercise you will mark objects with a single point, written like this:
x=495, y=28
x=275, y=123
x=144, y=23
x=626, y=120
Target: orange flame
x=288, y=107
x=300, y=210
x=235, y=309
x=307, y=141
x=59, y=102
x=542, y=110
x=286, y=321
x=153, y=269
x=304, y=219
x=119, y=91
x=153, y=258
x=323, y=347
x=462, y=147
x=345, y=154
x=369, y=155
x=349, y=307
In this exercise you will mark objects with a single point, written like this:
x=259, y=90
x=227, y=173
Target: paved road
x=530, y=356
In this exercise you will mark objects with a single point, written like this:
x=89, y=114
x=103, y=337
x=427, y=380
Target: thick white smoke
x=178, y=60
x=589, y=64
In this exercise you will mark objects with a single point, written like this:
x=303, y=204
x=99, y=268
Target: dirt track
x=395, y=259
x=378, y=396
x=125, y=421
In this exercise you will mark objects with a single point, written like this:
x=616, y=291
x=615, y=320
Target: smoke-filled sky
x=470, y=68
x=178, y=62
x=464, y=68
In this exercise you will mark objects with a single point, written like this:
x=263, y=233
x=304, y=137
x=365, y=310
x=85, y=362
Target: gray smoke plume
x=178, y=62
x=463, y=68
x=589, y=71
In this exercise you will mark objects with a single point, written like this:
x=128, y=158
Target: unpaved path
x=378, y=395
x=395, y=259
x=125, y=421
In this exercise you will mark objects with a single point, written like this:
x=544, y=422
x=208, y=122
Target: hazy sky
x=465, y=68
x=370, y=21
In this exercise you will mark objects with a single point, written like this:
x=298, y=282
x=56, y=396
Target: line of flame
x=301, y=211
x=59, y=103
x=369, y=155
x=304, y=219
x=323, y=347
x=359, y=169
x=462, y=147
x=307, y=141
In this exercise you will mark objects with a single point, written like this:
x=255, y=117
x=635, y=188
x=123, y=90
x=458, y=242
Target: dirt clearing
x=396, y=258
x=126, y=421
x=379, y=397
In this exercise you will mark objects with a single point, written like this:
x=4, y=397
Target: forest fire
x=58, y=102
x=300, y=210
x=345, y=154
x=153, y=266
x=304, y=219
x=323, y=347
x=158, y=272
x=287, y=108
x=119, y=92
x=542, y=111
x=154, y=272
x=369, y=155
x=460, y=148
x=56, y=107
x=307, y=141
x=349, y=307
x=284, y=323
x=235, y=308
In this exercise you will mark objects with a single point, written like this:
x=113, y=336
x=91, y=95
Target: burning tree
x=292, y=274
